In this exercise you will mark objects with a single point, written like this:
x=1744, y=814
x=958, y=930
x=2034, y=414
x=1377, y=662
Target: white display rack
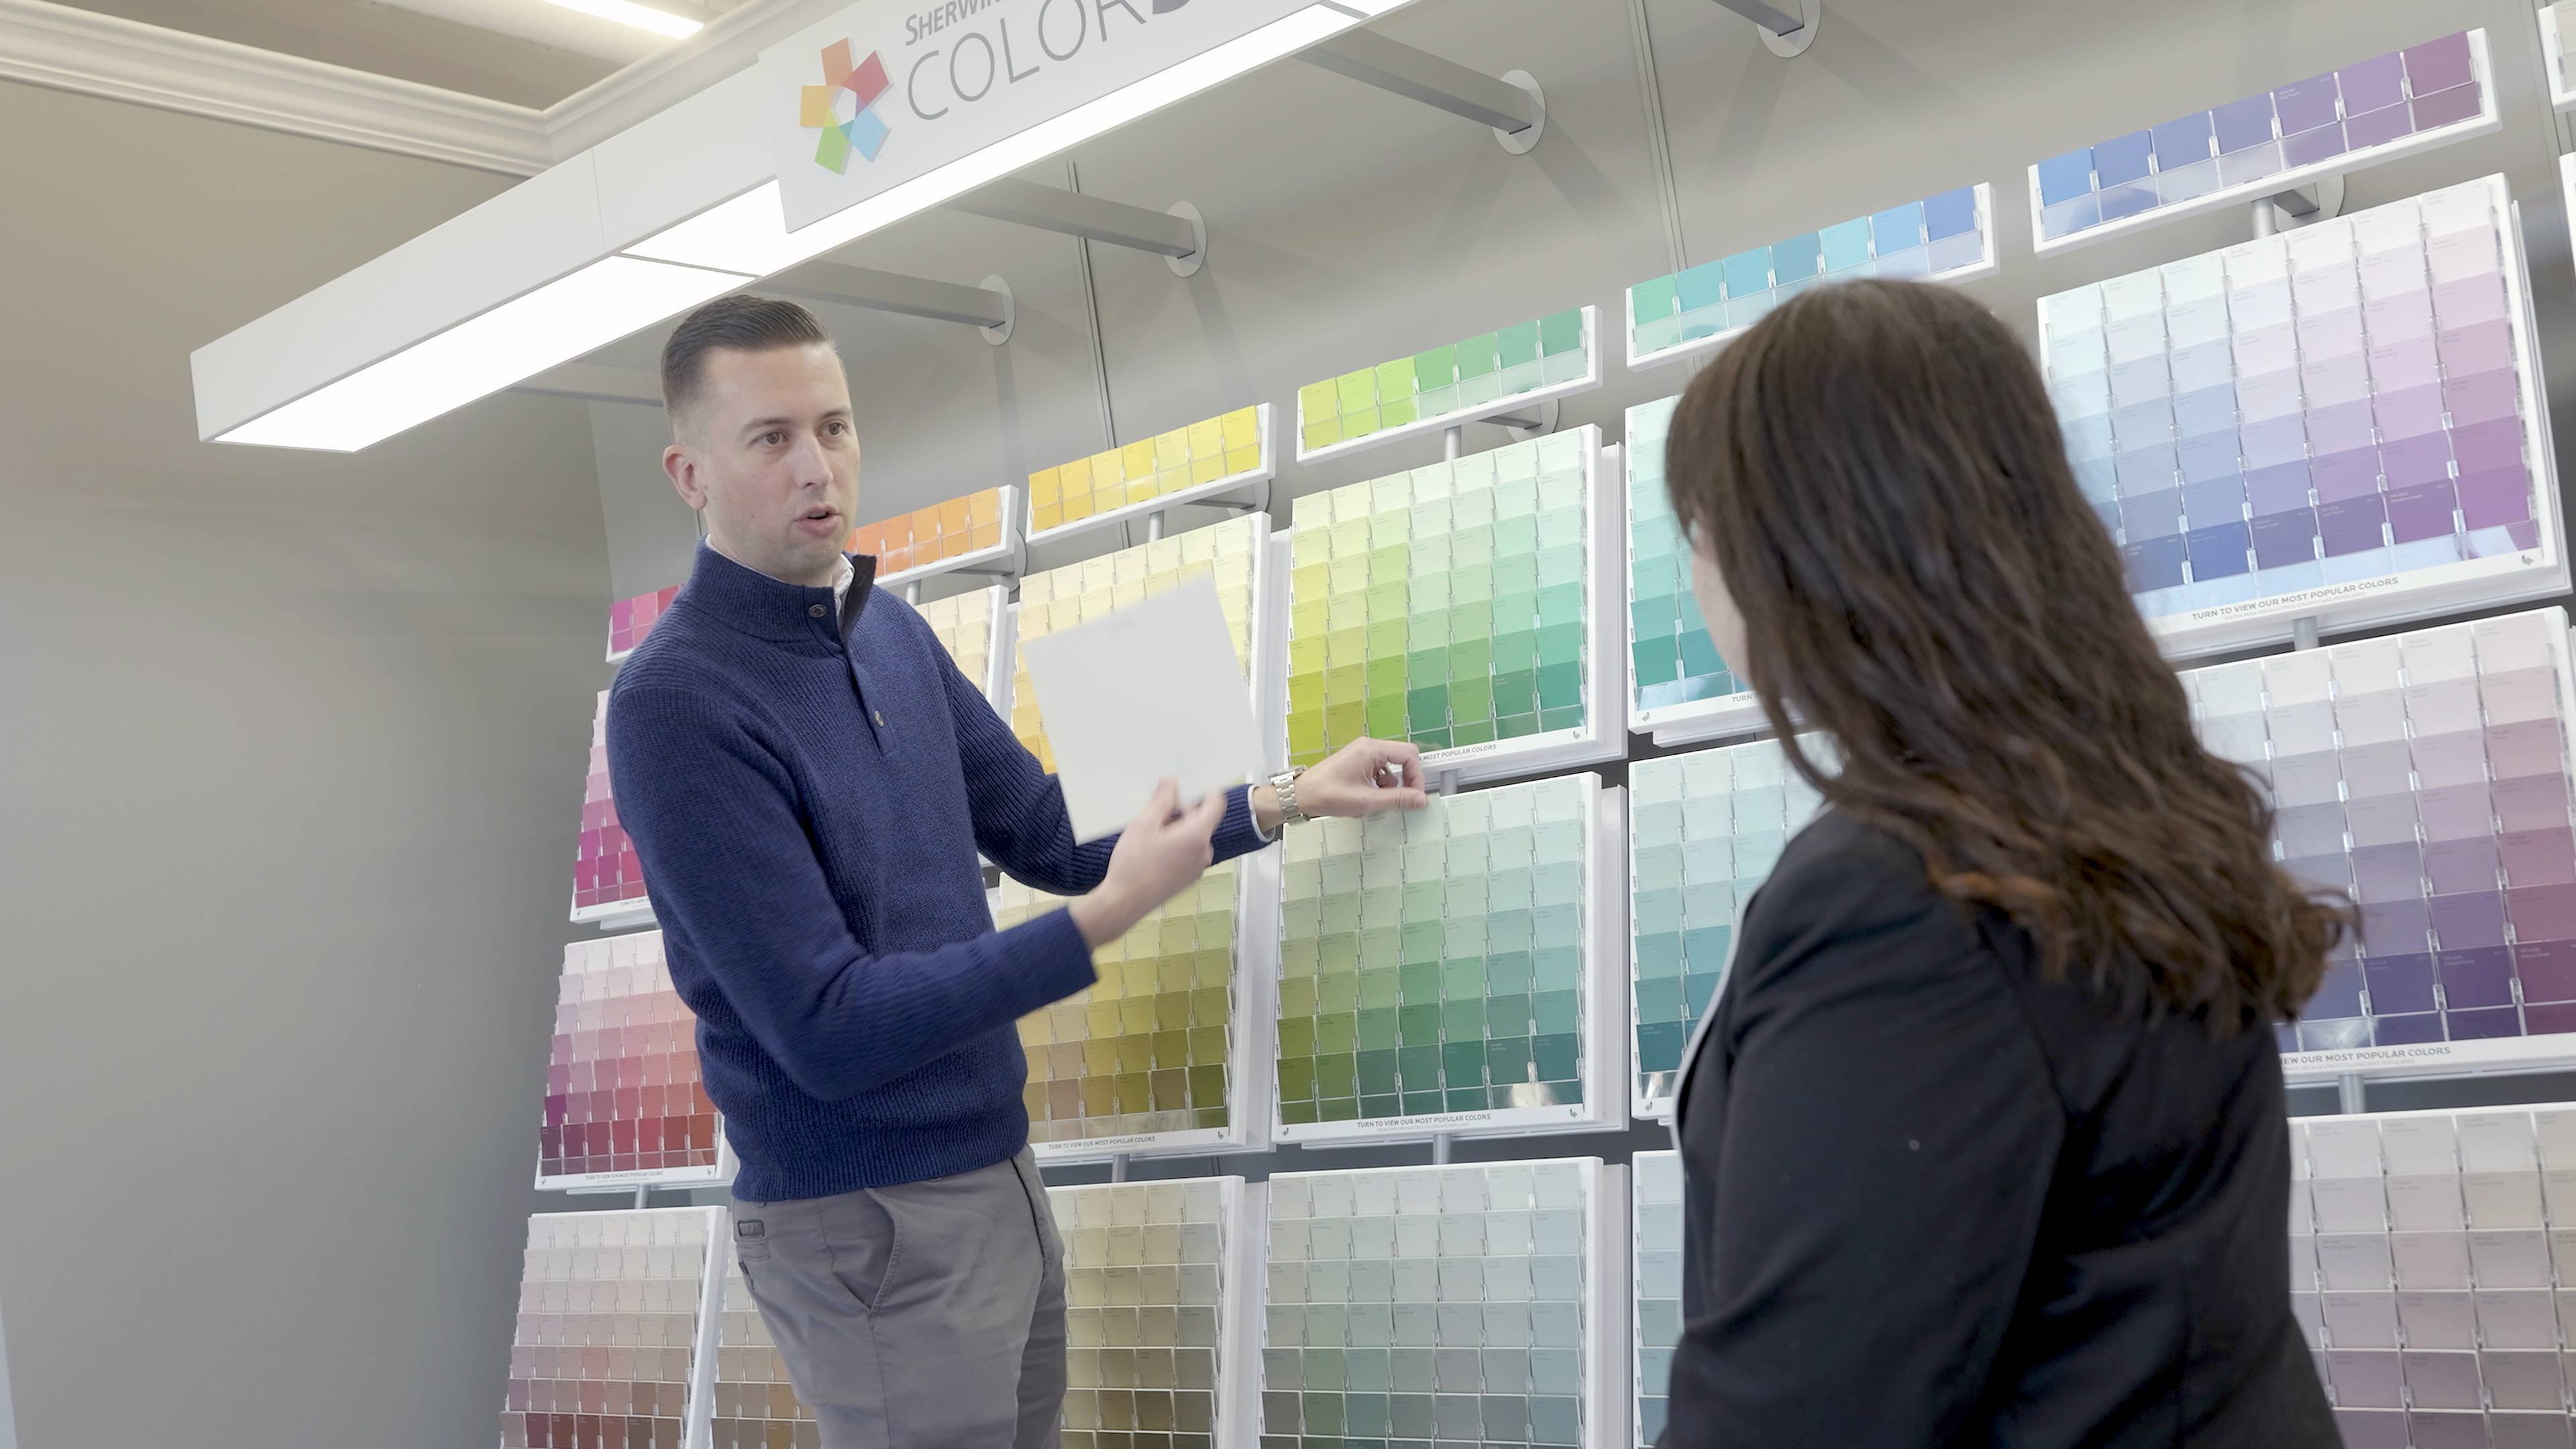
x=1244, y=1210
x=2553, y=54
x=1720, y=717
x=2244, y=192
x=2416, y=594
x=1601, y=737
x=1001, y=558
x=726, y=1168
x=1251, y=1034
x=1257, y=479
x=1984, y=266
x=697, y=1420
x=1606, y=1374
x=615, y=915
x=1604, y=1031
x=1498, y=408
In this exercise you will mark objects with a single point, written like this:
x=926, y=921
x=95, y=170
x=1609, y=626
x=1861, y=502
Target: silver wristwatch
x=1284, y=785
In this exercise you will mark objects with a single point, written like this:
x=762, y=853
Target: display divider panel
x=1680, y=691
x=1655, y=1180
x=1489, y=375
x=2426, y=776
x=1480, y=1303
x=2340, y=423
x=1209, y=459
x=979, y=532
x=1949, y=237
x=2555, y=20
x=638, y=1289
x=754, y=1406
x=2430, y=1254
x=1709, y=826
x=1162, y=1285
x=2368, y=112
x=629, y=620
x=626, y=1103
x=1464, y=606
x=1454, y=970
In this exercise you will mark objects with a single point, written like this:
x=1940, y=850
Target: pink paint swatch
x=605, y=870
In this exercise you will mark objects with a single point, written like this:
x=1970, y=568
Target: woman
x=1984, y=1139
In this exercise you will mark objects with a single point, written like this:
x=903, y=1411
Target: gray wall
x=293, y=770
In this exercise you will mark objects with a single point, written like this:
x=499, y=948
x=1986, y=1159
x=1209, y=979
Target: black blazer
x=1933, y=1200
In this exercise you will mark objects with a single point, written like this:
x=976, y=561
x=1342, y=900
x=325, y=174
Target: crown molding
x=46, y=44
x=146, y=65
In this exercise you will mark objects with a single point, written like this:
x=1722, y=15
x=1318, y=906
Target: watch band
x=1284, y=785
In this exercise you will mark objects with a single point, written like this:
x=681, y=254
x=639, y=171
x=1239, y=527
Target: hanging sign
x=887, y=91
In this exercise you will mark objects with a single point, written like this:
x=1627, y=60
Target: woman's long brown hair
x=1877, y=474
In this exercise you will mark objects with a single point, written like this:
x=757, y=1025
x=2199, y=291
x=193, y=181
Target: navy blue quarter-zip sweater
x=808, y=791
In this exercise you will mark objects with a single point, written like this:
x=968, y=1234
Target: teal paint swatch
x=1707, y=828
x=1433, y=960
x=1926, y=240
x=1672, y=659
x=1655, y=1181
x=1428, y=1303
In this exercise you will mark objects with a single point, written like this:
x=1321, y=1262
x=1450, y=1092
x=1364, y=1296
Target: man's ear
x=682, y=467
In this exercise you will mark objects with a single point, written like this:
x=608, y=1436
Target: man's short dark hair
x=734, y=324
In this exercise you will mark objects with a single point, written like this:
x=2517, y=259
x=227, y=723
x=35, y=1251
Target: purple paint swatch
x=2370, y=104
x=2427, y=776
x=2338, y=404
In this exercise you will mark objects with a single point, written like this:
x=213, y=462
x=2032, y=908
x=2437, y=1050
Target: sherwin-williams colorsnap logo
x=843, y=108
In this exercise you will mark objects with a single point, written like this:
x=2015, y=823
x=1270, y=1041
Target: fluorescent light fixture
x=749, y=233
x=518, y=339
x=642, y=17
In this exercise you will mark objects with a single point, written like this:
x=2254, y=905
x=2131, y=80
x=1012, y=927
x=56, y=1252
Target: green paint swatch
x=1433, y=961
x=1446, y=606
x=1707, y=828
x=1445, y=380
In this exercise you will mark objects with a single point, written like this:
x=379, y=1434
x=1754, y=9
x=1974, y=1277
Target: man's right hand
x=1158, y=854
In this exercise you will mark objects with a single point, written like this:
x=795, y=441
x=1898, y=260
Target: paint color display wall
x=2426, y=775
x=1673, y=662
x=1458, y=1304
x=607, y=876
x=2429, y=1260
x=1147, y=1048
x=1438, y=964
x=1709, y=825
x=1228, y=553
x=1447, y=606
x=2348, y=403
x=1151, y=1279
x=1657, y=1181
x=608, y=1341
x=625, y=1099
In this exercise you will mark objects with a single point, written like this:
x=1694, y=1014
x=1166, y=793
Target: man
x=808, y=778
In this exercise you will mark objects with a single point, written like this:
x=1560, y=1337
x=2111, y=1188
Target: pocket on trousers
x=750, y=1237
x=862, y=1243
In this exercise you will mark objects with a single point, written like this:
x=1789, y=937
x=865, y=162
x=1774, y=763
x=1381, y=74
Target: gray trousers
x=928, y=1315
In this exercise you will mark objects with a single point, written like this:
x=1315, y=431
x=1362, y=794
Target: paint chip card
x=1151, y=690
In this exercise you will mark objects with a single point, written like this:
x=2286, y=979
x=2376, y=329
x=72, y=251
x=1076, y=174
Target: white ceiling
x=526, y=52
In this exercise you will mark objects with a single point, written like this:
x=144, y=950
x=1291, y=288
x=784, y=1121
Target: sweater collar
x=770, y=608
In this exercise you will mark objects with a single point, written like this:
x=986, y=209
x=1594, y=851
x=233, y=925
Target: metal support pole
x=1155, y=523
x=1093, y=218
x=2303, y=633
x=1514, y=108
x=1453, y=440
x=912, y=593
x=643, y=1198
x=1785, y=33
x=1440, y=1149
x=989, y=307
x=590, y=382
x=2349, y=1096
x=1444, y=782
x=1118, y=1167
